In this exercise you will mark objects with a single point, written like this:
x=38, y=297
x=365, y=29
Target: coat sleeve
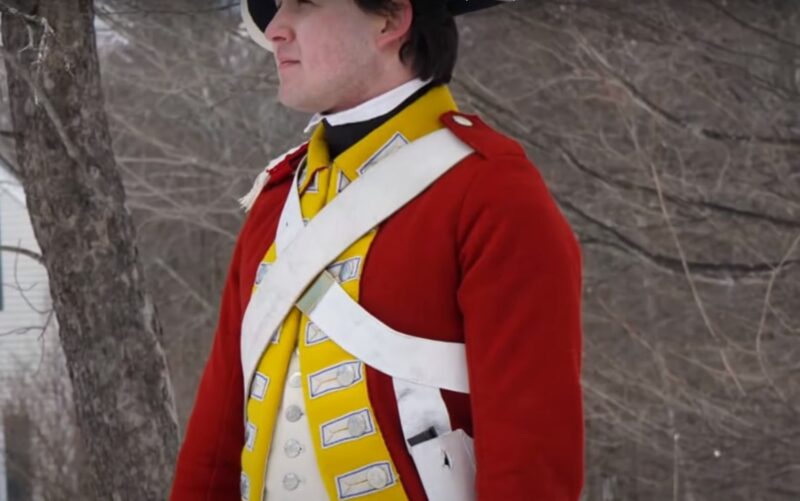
x=209, y=463
x=520, y=299
x=208, y=466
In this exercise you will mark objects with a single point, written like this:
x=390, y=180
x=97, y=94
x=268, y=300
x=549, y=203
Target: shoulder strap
x=368, y=201
x=263, y=177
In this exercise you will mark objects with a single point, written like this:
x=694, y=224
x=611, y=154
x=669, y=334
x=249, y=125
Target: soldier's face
x=325, y=51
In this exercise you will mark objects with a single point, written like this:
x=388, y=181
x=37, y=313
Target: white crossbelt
x=427, y=362
x=367, y=201
x=419, y=367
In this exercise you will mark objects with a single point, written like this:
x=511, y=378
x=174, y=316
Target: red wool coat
x=483, y=257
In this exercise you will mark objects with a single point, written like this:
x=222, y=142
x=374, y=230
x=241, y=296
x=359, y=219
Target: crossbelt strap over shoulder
x=368, y=201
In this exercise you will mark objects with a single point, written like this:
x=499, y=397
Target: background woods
x=669, y=132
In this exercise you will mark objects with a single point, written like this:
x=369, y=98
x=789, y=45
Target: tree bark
x=108, y=325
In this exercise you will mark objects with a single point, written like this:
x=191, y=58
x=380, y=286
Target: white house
x=26, y=323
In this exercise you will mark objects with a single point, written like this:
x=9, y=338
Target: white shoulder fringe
x=249, y=200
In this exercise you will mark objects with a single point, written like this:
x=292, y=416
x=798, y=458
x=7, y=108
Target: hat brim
x=257, y=14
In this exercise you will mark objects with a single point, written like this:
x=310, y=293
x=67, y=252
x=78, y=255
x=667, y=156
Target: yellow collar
x=418, y=119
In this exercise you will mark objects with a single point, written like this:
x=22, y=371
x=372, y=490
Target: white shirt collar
x=373, y=108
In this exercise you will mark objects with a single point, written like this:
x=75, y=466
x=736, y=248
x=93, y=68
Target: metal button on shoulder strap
x=462, y=120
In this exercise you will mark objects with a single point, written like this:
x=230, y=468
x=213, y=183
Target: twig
x=763, y=320
x=193, y=293
x=677, y=122
x=688, y=273
x=25, y=252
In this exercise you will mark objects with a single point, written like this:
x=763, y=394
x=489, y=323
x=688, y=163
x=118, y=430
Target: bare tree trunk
x=108, y=325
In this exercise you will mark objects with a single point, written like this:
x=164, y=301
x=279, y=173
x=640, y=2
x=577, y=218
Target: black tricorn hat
x=257, y=14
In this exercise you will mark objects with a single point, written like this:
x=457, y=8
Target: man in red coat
x=435, y=355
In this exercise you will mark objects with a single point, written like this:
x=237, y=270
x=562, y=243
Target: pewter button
x=462, y=120
x=377, y=478
x=291, y=481
x=356, y=426
x=294, y=413
x=295, y=380
x=292, y=448
x=345, y=375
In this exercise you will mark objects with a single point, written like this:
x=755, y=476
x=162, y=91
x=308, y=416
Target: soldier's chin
x=298, y=100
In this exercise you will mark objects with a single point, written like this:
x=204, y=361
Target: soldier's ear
x=396, y=24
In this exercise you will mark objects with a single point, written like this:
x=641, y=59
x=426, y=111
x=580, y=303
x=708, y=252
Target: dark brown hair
x=432, y=46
